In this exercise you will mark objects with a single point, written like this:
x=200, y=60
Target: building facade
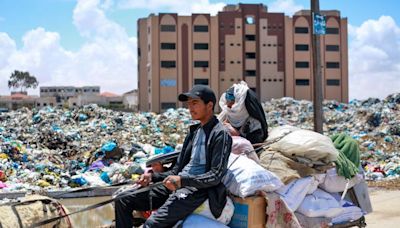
x=270, y=51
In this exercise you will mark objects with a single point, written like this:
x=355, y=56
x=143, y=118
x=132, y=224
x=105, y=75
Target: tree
x=22, y=80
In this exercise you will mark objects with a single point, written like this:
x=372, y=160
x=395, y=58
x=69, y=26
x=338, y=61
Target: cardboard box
x=250, y=212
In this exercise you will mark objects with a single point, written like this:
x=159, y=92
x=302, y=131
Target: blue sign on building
x=319, y=24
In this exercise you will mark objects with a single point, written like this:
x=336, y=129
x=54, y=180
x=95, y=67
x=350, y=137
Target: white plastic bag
x=303, y=143
x=241, y=145
x=245, y=177
x=320, y=204
x=226, y=214
x=335, y=183
x=350, y=213
x=295, y=192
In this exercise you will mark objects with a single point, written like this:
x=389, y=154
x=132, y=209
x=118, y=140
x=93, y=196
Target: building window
x=168, y=46
x=250, y=73
x=250, y=55
x=332, y=30
x=167, y=28
x=168, y=64
x=201, y=46
x=301, y=30
x=167, y=82
x=201, y=28
x=301, y=47
x=201, y=81
x=332, y=47
x=302, y=65
x=250, y=20
x=334, y=65
x=167, y=105
x=333, y=82
x=200, y=63
x=302, y=82
x=250, y=37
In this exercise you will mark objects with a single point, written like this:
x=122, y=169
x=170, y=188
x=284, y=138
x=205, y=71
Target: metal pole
x=317, y=79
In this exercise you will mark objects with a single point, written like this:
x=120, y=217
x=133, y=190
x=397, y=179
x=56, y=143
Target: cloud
x=107, y=58
x=289, y=7
x=374, y=58
x=175, y=6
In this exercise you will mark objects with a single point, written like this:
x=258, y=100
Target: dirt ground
x=386, y=209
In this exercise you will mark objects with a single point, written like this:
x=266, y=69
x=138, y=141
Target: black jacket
x=256, y=111
x=218, y=148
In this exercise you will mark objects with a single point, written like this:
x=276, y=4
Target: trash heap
x=92, y=146
x=374, y=123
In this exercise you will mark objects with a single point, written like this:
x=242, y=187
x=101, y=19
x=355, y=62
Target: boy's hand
x=144, y=179
x=172, y=182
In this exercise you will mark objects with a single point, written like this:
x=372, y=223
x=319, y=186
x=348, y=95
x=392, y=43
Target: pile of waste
x=56, y=148
x=59, y=148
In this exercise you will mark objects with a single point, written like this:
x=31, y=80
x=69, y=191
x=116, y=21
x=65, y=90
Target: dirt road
x=386, y=208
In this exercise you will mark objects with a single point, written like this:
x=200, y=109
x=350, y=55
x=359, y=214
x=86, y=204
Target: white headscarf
x=237, y=115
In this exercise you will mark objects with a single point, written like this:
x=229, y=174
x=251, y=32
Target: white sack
x=245, y=177
x=335, y=183
x=303, y=143
x=294, y=192
x=320, y=204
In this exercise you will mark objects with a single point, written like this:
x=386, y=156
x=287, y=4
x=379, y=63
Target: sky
x=93, y=42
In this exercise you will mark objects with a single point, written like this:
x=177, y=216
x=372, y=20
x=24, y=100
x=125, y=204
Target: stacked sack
x=314, y=169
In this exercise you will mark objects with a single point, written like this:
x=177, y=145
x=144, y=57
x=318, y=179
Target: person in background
x=242, y=113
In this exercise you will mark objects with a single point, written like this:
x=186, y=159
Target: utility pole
x=317, y=79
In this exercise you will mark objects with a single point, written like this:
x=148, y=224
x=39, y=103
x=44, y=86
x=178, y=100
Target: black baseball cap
x=203, y=92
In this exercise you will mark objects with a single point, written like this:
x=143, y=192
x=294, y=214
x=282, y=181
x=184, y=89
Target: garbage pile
x=374, y=123
x=60, y=149
x=55, y=148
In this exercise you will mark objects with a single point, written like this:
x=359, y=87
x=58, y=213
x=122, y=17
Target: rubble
x=55, y=148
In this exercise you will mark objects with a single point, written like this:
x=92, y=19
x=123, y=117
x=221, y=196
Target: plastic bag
x=226, y=214
x=244, y=177
x=241, y=145
x=198, y=221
